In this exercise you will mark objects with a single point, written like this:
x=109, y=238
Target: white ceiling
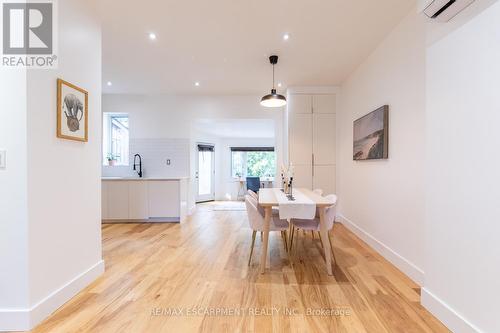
x=236, y=128
x=224, y=44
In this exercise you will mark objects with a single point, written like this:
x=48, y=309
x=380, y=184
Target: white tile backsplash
x=155, y=153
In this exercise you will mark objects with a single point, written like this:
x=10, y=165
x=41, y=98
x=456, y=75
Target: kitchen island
x=133, y=199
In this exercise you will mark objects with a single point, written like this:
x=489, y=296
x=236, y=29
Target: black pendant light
x=273, y=100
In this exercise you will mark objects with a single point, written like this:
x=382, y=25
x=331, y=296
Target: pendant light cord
x=273, y=76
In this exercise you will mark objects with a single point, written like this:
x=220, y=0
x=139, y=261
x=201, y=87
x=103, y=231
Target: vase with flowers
x=287, y=180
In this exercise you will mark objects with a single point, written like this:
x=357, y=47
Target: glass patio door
x=205, y=173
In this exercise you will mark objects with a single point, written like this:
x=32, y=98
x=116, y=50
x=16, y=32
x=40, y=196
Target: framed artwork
x=371, y=135
x=72, y=112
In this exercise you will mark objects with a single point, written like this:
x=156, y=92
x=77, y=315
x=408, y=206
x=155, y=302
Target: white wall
x=62, y=179
x=462, y=232
x=383, y=201
x=172, y=117
x=441, y=82
x=14, y=291
x=154, y=154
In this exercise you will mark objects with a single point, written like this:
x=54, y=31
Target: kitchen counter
x=148, y=199
x=143, y=178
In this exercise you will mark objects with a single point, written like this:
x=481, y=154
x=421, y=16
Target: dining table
x=268, y=200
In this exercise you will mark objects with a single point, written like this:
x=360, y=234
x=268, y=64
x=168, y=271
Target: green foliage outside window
x=253, y=164
x=261, y=164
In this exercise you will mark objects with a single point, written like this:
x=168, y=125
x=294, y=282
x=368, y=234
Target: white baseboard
x=449, y=317
x=412, y=271
x=26, y=319
x=14, y=320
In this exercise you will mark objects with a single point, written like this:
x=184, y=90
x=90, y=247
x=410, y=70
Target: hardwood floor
x=193, y=277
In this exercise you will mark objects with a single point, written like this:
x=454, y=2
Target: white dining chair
x=318, y=191
x=256, y=221
x=314, y=224
x=253, y=194
x=275, y=210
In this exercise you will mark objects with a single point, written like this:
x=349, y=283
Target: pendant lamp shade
x=273, y=100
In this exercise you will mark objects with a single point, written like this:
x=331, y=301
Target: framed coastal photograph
x=72, y=112
x=371, y=135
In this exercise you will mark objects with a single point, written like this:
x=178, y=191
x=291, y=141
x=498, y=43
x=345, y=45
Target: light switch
x=3, y=156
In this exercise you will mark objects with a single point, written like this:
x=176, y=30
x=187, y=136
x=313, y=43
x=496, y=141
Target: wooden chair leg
x=285, y=241
x=283, y=238
x=319, y=236
x=312, y=234
x=288, y=250
x=251, y=246
x=291, y=237
x=333, y=252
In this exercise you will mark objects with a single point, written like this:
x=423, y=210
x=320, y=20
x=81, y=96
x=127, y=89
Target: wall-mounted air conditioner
x=443, y=10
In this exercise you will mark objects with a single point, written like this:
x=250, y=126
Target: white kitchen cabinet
x=144, y=200
x=138, y=202
x=163, y=199
x=324, y=178
x=183, y=201
x=300, y=138
x=299, y=104
x=312, y=140
x=324, y=139
x=324, y=103
x=302, y=176
x=117, y=200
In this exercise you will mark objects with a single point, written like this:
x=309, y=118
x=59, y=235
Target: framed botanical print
x=72, y=112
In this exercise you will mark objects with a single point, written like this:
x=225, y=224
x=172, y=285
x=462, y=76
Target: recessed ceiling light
x=152, y=36
x=197, y=83
x=280, y=85
x=286, y=36
x=109, y=83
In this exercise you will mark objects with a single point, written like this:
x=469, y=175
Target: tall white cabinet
x=312, y=140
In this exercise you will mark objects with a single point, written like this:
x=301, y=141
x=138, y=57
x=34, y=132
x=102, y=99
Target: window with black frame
x=253, y=162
